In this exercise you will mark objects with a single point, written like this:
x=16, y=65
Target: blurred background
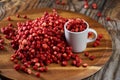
x=93, y=8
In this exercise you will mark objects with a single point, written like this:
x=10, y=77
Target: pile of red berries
x=76, y=25
x=40, y=42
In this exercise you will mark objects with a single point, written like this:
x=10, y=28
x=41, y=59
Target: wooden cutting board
x=55, y=71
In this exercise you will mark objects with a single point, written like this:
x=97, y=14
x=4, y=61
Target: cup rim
x=75, y=32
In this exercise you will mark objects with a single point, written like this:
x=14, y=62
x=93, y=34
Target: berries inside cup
x=76, y=25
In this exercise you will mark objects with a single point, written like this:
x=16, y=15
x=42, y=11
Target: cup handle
x=95, y=35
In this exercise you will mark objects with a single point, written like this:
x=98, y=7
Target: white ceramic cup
x=78, y=40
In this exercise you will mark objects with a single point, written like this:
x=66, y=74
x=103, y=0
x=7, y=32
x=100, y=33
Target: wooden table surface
x=108, y=8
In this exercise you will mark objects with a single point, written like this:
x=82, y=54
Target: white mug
x=78, y=40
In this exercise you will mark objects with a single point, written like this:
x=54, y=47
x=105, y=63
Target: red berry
x=98, y=39
x=100, y=36
x=64, y=63
x=8, y=18
x=25, y=17
x=35, y=67
x=79, y=60
x=37, y=64
x=86, y=54
x=2, y=47
x=45, y=46
x=63, y=3
x=86, y=6
x=41, y=69
x=99, y=14
x=23, y=68
x=74, y=62
x=108, y=18
x=64, y=55
x=91, y=57
x=17, y=67
x=10, y=24
x=12, y=59
x=78, y=64
x=18, y=16
x=94, y=6
x=37, y=74
x=95, y=44
x=15, y=61
x=85, y=65
x=74, y=56
x=57, y=2
x=45, y=69
x=90, y=34
x=29, y=71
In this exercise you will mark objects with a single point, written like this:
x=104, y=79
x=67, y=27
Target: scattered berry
x=94, y=5
x=85, y=65
x=8, y=18
x=17, y=15
x=108, y=18
x=25, y=17
x=99, y=14
x=91, y=57
x=86, y=6
x=86, y=54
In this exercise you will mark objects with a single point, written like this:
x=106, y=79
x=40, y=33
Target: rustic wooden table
x=108, y=8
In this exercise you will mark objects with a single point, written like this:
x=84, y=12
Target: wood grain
x=102, y=52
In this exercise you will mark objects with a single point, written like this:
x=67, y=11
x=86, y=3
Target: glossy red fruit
x=45, y=69
x=64, y=63
x=10, y=24
x=37, y=74
x=17, y=15
x=95, y=44
x=41, y=69
x=84, y=65
x=12, y=59
x=78, y=64
x=9, y=18
x=74, y=62
x=91, y=57
x=63, y=3
x=86, y=6
x=1, y=41
x=90, y=34
x=99, y=14
x=94, y=5
x=23, y=68
x=25, y=17
x=17, y=67
x=28, y=71
x=57, y=2
x=15, y=61
x=64, y=55
x=45, y=46
x=2, y=47
x=108, y=18
x=86, y=54
x=35, y=67
x=100, y=36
